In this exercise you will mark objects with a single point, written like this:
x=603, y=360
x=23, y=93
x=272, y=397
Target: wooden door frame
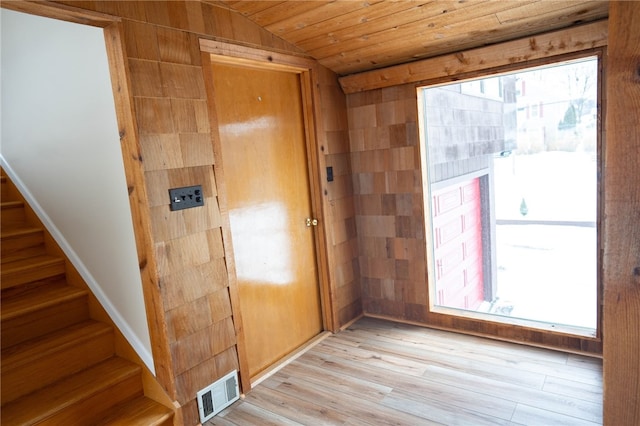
x=231, y=54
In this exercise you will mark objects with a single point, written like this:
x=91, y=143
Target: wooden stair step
x=81, y=399
x=141, y=411
x=30, y=269
x=42, y=297
x=12, y=212
x=38, y=362
x=21, y=241
x=41, y=310
x=11, y=204
x=18, y=231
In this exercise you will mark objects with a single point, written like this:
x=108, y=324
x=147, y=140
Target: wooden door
x=458, y=254
x=263, y=144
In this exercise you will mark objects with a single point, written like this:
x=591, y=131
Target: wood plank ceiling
x=351, y=36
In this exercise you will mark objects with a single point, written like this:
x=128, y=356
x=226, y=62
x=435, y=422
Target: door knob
x=311, y=222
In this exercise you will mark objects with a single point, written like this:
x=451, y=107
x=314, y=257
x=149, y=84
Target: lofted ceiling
x=351, y=36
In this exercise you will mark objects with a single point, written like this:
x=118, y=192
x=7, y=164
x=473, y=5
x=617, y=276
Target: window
x=512, y=181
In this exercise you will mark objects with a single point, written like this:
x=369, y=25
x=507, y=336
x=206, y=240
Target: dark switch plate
x=186, y=197
x=329, y=174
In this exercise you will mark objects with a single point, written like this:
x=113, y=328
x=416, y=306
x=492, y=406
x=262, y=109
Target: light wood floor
x=382, y=373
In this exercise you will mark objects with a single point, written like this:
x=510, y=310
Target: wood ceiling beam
x=542, y=46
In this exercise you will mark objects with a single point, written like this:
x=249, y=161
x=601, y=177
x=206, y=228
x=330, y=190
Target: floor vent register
x=217, y=396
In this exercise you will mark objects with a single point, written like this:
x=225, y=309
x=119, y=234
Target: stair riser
x=21, y=254
x=7, y=190
x=139, y=412
x=3, y=193
x=167, y=422
x=13, y=245
x=47, y=368
x=92, y=409
x=34, y=286
x=41, y=272
x=25, y=327
x=12, y=215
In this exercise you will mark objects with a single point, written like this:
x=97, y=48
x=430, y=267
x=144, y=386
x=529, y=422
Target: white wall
x=60, y=142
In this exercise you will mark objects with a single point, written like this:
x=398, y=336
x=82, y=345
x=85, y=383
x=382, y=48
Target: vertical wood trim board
x=310, y=100
x=138, y=199
x=622, y=224
x=245, y=378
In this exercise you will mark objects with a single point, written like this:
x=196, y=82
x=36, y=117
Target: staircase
x=58, y=365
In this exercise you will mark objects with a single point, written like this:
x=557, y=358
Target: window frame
x=481, y=323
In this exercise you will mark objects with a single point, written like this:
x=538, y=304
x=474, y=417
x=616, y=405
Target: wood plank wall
x=622, y=225
x=170, y=106
x=390, y=216
x=339, y=198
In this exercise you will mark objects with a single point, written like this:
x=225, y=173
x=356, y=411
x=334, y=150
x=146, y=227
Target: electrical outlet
x=186, y=197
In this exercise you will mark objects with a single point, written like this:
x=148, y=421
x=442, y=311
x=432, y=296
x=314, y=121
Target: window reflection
x=261, y=243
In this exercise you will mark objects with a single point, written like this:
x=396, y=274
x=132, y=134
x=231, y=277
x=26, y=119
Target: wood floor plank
x=440, y=412
x=353, y=408
x=275, y=379
x=293, y=408
x=248, y=414
x=429, y=392
x=373, y=358
x=404, y=332
x=526, y=359
x=219, y=420
x=340, y=383
x=585, y=362
x=381, y=373
x=474, y=364
x=429, y=389
x=360, y=422
x=552, y=399
x=475, y=360
x=527, y=415
x=580, y=407
x=573, y=389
